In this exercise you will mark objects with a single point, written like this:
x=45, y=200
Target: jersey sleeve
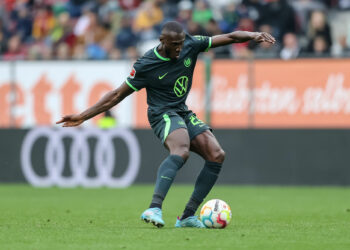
x=136, y=79
x=202, y=43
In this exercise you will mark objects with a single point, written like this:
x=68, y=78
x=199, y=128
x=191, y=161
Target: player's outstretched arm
x=109, y=100
x=240, y=37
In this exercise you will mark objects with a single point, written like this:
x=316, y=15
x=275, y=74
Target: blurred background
x=125, y=29
x=281, y=112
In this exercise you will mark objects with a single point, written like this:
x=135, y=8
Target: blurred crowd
x=125, y=29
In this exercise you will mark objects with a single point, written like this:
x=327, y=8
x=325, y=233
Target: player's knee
x=218, y=156
x=182, y=150
x=185, y=153
x=222, y=155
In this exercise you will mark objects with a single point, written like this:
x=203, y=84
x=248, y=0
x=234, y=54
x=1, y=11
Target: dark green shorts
x=168, y=122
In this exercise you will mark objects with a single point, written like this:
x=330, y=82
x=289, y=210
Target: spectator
x=132, y=54
x=254, y=10
x=109, y=15
x=92, y=36
x=230, y=18
x=126, y=39
x=95, y=29
x=2, y=43
x=15, y=51
x=303, y=8
x=201, y=13
x=320, y=47
x=169, y=8
x=86, y=21
x=219, y=6
x=3, y=38
x=344, y=4
x=79, y=52
x=241, y=50
x=43, y=22
x=24, y=24
x=63, y=52
x=195, y=29
x=35, y=52
x=63, y=31
x=213, y=29
x=291, y=47
x=266, y=50
x=280, y=16
x=47, y=52
x=318, y=27
x=129, y=5
x=185, y=12
x=107, y=44
x=342, y=47
x=74, y=7
x=147, y=19
x=95, y=51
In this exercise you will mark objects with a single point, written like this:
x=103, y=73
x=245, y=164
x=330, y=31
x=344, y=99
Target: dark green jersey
x=167, y=82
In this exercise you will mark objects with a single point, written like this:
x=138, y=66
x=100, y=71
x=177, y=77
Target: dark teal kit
x=167, y=84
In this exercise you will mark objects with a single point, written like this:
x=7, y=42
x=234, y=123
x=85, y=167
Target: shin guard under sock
x=204, y=183
x=165, y=177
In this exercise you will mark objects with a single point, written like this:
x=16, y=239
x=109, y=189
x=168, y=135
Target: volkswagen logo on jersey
x=180, y=87
x=80, y=154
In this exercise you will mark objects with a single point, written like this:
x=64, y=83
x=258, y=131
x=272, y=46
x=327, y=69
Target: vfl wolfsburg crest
x=180, y=87
x=187, y=62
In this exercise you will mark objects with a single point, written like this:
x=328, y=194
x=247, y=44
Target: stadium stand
x=125, y=29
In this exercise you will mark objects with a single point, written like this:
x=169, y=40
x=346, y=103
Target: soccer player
x=166, y=73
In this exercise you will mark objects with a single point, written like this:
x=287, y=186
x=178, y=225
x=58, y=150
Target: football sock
x=204, y=183
x=157, y=201
x=165, y=177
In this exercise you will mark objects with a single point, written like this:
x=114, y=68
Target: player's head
x=172, y=39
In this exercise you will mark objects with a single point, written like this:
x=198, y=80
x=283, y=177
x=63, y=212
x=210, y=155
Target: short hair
x=172, y=26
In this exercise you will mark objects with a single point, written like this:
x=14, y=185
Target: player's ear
x=161, y=38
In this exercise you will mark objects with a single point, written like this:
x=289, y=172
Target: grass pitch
x=263, y=218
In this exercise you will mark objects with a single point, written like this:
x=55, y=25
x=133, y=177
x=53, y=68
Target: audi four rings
x=79, y=157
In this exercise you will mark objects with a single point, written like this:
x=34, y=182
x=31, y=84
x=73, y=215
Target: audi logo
x=79, y=153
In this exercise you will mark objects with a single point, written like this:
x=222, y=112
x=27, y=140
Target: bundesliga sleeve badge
x=132, y=73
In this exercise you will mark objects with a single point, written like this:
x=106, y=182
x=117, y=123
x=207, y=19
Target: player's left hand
x=264, y=37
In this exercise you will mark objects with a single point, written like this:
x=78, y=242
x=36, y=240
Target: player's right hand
x=71, y=120
x=264, y=37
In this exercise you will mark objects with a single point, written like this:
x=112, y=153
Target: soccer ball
x=215, y=214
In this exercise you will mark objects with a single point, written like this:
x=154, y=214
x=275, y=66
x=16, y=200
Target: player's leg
x=203, y=142
x=173, y=133
x=178, y=144
x=206, y=145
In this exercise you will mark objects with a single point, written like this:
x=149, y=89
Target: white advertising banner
x=45, y=91
x=6, y=99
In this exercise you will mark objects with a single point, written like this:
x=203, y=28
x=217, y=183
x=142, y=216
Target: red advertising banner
x=231, y=96
x=302, y=93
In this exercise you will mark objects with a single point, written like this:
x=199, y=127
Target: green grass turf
x=263, y=218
